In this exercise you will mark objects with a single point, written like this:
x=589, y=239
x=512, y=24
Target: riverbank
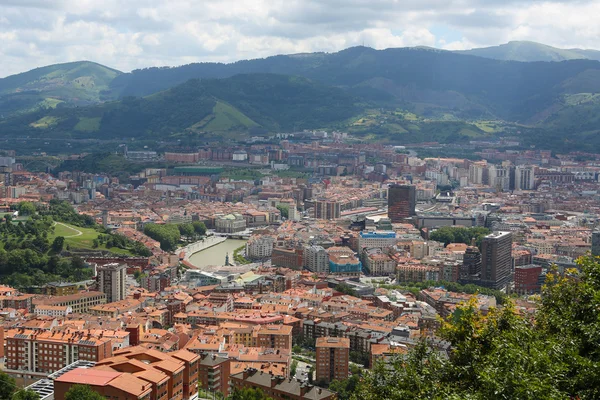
x=216, y=255
x=200, y=245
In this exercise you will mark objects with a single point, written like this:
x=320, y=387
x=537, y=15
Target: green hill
x=237, y=104
x=531, y=51
x=71, y=84
x=449, y=92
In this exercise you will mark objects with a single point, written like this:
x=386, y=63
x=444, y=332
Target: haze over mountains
x=351, y=89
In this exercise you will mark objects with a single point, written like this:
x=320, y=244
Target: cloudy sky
x=130, y=34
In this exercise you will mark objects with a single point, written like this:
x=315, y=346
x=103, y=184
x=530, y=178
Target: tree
x=285, y=211
x=167, y=234
x=25, y=394
x=58, y=244
x=505, y=354
x=199, y=227
x=82, y=392
x=186, y=230
x=346, y=289
x=345, y=388
x=26, y=208
x=246, y=394
x=459, y=234
x=7, y=386
x=293, y=368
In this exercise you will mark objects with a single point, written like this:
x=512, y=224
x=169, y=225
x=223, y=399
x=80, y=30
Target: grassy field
x=81, y=238
x=44, y=122
x=224, y=118
x=50, y=102
x=88, y=124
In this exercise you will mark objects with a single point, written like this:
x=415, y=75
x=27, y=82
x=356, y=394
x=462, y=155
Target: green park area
x=82, y=238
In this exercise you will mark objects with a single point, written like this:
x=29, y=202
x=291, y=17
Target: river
x=215, y=255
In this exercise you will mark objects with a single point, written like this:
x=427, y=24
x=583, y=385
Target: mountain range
x=404, y=94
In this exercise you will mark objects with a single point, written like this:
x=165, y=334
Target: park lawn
x=83, y=241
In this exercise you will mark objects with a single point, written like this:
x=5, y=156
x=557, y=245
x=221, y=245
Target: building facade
x=332, y=358
x=111, y=280
x=496, y=260
x=402, y=200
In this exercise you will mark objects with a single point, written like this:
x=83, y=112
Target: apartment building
x=275, y=336
x=173, y=376
x=79, y=303
x=47, y=352
x=332, y=358
x=316, y=259
x=111, y=280
x=259, y=247
x=213, y=373
x=278, y=386
x=53, y=311
x=380, y=240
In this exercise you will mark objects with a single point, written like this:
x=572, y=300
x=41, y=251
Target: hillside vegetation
x=452, y=95
x=76, y=83
x=531, y=51
x=239, y=103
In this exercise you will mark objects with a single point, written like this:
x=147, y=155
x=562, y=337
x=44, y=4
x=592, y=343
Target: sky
x=132, y=34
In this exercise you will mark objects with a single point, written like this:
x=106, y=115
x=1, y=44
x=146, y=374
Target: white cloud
x=140, y=33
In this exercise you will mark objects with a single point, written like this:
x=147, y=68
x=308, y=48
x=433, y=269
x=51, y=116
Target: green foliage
x=199, y=227
x=26, y=395
x=63, y=211
x=346, y=289
x=24, y=257
x=57, y=244
x=459, y=234
x=359, y=357
x=167, y=234
x=110, y=163
x=7, y=386
x=293, y=368
x=238, y=257
x=186, y=230
x=75, y=83
x=82, y=392
x=345, y=388
x=247, y=394
x=26, y=208
x=285, y=210
x=505, y=354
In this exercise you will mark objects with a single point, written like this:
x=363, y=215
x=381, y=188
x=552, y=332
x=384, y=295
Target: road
x=79, y=233
x=302, y=371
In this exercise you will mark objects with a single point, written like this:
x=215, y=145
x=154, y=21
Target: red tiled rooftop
x=89, y=376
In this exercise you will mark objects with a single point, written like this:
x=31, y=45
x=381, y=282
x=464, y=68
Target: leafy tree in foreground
x=82, y=392
x=248, y=394
x=26, y=395
x=58, y=244
x=26, y=208
x=505, y=354
x=7, y=386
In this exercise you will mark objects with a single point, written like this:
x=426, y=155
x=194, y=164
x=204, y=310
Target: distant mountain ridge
x=315, y=90
x=527, y=51
x=70, y=84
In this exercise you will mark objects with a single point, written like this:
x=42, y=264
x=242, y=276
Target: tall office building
x=496, y=260
x=596, y=243
x=316, y=259
x=327, y=209
x=470, y=271
x=524, y=178
x=333, y=354
x=111, y=280
x=402, y=200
